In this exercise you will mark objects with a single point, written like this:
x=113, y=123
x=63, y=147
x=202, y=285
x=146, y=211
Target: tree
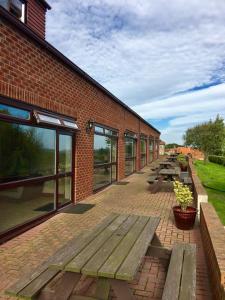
x=208, y=137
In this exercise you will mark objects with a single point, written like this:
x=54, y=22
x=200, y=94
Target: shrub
x=220, y=160
x=181, y=158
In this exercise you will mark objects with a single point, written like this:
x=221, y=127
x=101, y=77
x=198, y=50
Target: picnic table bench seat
x=111, y=252
x=181, y=276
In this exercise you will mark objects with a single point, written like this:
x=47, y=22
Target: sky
x=165, y=59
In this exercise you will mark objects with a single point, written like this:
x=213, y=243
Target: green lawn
x=213, y=178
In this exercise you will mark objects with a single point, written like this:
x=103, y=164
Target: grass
x=213, y=178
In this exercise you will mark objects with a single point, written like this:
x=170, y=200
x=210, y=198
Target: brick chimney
x=30, y=12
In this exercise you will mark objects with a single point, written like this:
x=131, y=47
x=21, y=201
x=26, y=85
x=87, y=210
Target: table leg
x=121, y=290
x=102, y=289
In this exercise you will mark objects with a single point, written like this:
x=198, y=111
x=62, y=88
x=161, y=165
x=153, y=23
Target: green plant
x=181, y=158
x=183, y=194
x=220, y=160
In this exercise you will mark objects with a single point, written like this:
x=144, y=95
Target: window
x=15, y=7
x=105, y=131
x=143, y=152
x=36, y=174
x=54, y=120
x=130, y=155
x=151, y=149
x=105, y=158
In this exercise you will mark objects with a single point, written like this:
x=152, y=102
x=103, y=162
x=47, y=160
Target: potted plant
x=182, y=162
x=184, y=214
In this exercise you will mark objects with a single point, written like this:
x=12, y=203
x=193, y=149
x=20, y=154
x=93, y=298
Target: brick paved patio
x=23, y=253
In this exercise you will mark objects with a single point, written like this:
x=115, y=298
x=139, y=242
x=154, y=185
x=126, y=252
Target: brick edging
x=213, y=236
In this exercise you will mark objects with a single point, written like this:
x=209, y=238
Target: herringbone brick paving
x=25, y=252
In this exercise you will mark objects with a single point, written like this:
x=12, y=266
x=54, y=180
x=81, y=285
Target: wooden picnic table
x=111, y=252
x=169, y=173
x=115, y=253
x=172, y=158
x=165, y=174
x=165, y=164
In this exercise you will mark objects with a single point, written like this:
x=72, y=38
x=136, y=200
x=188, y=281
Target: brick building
x=195, y=153
x=162, y=145
x=63, y=136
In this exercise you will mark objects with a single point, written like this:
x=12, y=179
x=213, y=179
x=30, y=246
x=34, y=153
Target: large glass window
x=35, y=168
x=130, y=155
x=143, y=152
x=151, y=150
x=105, y=157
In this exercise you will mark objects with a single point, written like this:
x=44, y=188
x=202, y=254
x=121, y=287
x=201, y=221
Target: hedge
x=217, y=159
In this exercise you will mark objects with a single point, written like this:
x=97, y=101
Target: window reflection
x=21, y=204
x=14, y=112
x=25, y=151
x=65, y=153
x=143, y=153
x=130, y=155
x=64, y=193
x=102, y=149
x=105, y=159
x=102, y=176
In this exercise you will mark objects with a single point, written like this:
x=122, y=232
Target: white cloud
x=147, y=51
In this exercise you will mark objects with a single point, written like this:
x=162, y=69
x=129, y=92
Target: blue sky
x=165, y=59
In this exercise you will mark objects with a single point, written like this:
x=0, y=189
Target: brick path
x=23, y=253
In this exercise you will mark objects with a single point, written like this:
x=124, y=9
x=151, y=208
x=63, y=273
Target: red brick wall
x=213, y=236
x=32, y=74
x=36, y=17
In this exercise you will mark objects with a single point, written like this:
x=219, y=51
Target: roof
x=47, y=46
x=162, y=142
x=46, y=5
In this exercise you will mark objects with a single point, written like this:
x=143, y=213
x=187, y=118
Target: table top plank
x=130, y=265
x=76, y=264
x=72, y=249
x=169, y=172
x=94, y=264
x=118, y=256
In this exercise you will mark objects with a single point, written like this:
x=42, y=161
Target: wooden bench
x=181, y=276
x=152, y=179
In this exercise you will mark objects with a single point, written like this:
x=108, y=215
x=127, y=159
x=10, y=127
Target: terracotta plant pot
x=184, y=220
x=183, y=167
